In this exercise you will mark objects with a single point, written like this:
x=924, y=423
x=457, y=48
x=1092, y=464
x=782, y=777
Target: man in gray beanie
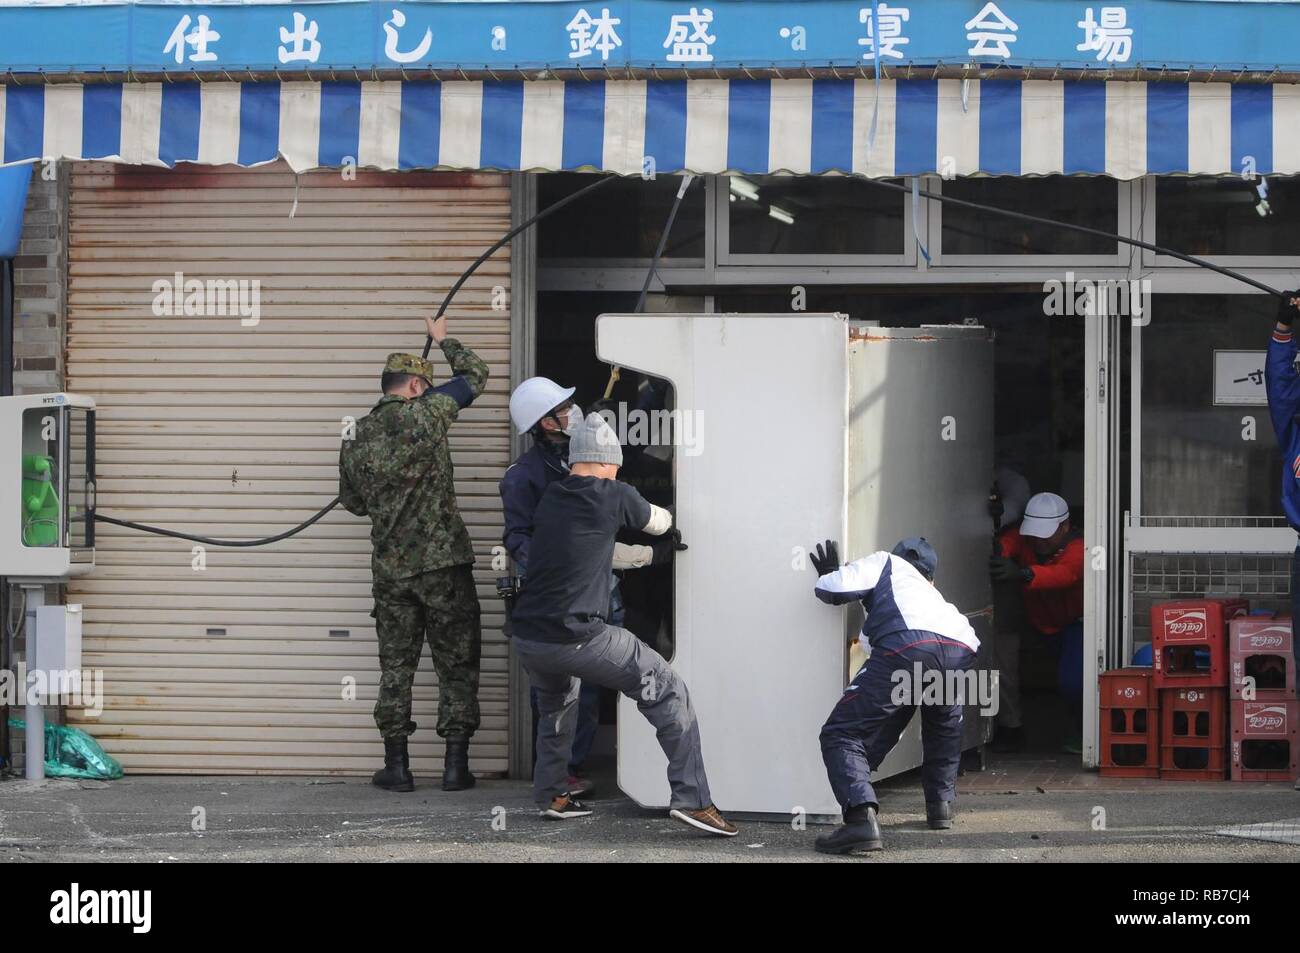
x=560, y=633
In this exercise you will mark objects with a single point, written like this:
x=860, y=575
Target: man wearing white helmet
x=546, y=411
x=1045, y=556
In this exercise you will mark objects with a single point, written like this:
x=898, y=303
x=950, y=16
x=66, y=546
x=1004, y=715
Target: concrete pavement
x=1002, y=818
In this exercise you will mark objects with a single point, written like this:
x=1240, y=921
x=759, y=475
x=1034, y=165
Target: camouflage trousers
x=442, y=607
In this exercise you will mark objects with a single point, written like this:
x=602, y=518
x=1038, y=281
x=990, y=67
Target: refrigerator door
x=764, y=660
x=920, y=464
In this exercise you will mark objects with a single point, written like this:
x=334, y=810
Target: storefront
x=228, y=424
x=1137, y=418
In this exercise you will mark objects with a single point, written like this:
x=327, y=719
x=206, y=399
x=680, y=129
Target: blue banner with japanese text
x=609, y=35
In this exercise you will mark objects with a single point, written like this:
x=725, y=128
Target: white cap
x=534, y=399
x=1043, y=514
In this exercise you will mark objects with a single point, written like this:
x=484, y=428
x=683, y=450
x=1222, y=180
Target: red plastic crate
x=1261, y=647
x=1265, y=740
x=1193, y=734
x=1130, y=724
x=1211, y=764
x=1179, y=629
x=1128, y=688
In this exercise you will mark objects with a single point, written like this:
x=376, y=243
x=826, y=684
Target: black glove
x=1286, y=311
x=666, y=545
x=995, y=505
x=1004, y=569
x=826, y=558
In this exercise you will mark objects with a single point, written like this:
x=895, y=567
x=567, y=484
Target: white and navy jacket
x=897, y=599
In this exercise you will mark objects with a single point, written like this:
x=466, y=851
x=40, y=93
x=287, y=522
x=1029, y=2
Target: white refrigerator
x=803, y=427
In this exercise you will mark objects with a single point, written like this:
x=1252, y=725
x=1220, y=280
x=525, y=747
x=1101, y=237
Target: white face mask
x=572, y=420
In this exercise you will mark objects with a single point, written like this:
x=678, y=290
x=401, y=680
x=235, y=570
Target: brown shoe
x=706, y=819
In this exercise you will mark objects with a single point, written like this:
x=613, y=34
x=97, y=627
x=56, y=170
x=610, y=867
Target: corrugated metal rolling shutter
x=226, y=430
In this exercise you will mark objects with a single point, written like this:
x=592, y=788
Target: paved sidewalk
x=1016, y=811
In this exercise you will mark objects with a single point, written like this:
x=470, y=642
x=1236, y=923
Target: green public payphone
x=47, y=498
x=47, y=535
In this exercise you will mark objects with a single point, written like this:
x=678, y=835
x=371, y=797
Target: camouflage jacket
x=397, y=470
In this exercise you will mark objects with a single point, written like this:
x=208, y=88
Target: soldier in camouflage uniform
x=397, y=470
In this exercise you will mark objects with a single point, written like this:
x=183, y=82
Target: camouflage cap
x=409, y=364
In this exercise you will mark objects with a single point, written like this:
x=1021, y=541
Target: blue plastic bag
x=71, y=753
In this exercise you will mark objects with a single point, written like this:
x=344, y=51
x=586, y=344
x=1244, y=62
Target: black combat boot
x=396, y=773
x=406, y=754
x=455, y=767
x=938, y=814
x=860, y=833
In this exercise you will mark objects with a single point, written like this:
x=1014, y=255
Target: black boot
x=860, y=833
x=396, y=773
x=938, y=814
x=455, y=769
x=406, y=755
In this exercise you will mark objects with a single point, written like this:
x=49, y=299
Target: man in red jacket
x=1046, y=557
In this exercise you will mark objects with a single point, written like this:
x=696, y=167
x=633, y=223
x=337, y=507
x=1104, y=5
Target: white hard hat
x=1043, y=514
x=534, y=399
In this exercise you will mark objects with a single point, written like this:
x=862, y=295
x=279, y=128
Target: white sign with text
x=1239, y=378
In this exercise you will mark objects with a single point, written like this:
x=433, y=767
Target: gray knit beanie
x=594, y=442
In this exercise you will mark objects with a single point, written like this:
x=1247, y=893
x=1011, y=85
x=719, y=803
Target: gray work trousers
x=616, y=659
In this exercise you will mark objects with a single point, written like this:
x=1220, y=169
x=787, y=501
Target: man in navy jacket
x=913, y=633
x=1283, y=385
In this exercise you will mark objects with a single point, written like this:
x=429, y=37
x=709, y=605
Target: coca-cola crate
x=1265, y=740
x=1193, y=734
x=1130, y=724
x=1189, y=641
x=1261, y=647
x=1193, y=764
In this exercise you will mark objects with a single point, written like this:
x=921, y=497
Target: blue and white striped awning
x=801, y=126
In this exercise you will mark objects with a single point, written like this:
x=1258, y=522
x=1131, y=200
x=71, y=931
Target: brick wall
x=40, y=285
x=40, y=322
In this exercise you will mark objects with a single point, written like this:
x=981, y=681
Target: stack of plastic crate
x=1189, y=651
x=1265, y=713
x=1130, y=724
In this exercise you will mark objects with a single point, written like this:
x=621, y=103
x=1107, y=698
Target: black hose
x=553, y=207
x=645, y=288
x=654, y=267
x=1084, y=229
x=663, y=243
x=208, y=541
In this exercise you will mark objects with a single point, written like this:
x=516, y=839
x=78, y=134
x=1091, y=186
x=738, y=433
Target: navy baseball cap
x=918, y=551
